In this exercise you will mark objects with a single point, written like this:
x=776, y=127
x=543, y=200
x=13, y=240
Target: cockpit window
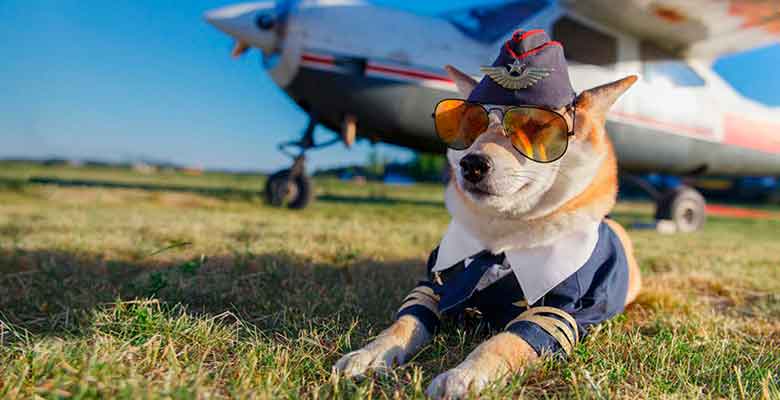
x=490, y=23
x=661, y=64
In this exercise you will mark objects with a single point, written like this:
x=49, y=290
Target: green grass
x=108, y=293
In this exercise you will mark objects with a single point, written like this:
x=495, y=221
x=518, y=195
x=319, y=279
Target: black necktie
x=462, y=281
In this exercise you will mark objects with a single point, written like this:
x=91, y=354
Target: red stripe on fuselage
x=407, y=73
x=667, y=126
x=374, y=67
x=752, y=134
x=316, y=58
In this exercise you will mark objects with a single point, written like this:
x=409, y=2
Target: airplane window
x=490, y=23
x=676, y=71
x=661, y=64
x=585, y=45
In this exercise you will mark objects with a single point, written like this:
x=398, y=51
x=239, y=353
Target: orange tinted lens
x=540, y=135
x=459, y=123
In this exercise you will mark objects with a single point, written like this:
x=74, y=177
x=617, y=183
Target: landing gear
x=291, y=187
x=681, y=209
x=684, y=206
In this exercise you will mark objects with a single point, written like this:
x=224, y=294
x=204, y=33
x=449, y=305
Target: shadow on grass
x=54, y=293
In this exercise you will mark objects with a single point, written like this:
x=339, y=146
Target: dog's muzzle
x=474, y=167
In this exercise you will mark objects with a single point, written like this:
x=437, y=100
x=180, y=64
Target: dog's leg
x=634, y=278
x=418, y=315
x=491, y=361
x=393, y=346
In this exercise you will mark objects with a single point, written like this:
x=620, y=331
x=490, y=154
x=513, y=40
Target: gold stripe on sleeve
x=566, y=335
x=423, y=296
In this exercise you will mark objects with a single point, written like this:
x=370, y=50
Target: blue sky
x=125, y=80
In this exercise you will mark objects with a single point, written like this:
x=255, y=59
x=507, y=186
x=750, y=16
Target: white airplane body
x=378, y=72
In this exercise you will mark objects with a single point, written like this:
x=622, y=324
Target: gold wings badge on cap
x=524, y=76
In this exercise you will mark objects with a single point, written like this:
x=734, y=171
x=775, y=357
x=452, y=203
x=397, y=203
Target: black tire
x=685, y=206
x=296, y=192
x=774, y=197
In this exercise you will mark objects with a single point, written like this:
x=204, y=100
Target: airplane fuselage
x=385, y=68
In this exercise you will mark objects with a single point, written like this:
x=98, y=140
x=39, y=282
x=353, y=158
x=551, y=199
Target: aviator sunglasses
x=538, y=133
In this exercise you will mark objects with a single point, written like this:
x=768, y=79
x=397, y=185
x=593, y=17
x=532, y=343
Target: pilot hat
x=530, y=70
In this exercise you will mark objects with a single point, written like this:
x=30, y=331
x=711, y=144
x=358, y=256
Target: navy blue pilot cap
x=530, y=70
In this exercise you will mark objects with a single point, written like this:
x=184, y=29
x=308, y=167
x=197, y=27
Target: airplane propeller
x=258, y=25
x=239, y=48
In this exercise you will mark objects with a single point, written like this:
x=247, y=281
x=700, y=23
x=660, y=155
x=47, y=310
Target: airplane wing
x=696, y=28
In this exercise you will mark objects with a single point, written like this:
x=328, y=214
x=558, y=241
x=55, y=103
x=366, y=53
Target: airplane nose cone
x=222, y=15
x=251, y=23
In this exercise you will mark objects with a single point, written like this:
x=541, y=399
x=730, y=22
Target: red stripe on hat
x=526, y=34
x=532, y=51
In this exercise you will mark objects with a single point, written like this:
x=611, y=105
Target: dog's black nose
x=474, y=167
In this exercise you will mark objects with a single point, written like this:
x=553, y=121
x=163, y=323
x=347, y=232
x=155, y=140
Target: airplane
x=372, y=72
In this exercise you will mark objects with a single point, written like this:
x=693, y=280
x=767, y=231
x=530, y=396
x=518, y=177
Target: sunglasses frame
x=570, y=107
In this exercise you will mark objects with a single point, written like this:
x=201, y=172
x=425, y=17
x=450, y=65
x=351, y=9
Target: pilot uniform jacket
x=554, y=296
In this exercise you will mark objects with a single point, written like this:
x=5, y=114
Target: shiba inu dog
x=529, y=245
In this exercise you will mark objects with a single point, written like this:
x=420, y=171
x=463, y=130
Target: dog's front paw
x=457, y=383
x=357, y=363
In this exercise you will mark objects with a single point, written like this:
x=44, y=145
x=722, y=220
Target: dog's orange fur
x=591, y=112
x=505, y=352
x=602, y=191
x=403, y=330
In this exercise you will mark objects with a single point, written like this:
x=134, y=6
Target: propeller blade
x=239, y=49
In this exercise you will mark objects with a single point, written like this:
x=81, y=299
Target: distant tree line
x=423, y=167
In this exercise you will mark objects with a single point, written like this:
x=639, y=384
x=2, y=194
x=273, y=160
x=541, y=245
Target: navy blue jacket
x=595, y=293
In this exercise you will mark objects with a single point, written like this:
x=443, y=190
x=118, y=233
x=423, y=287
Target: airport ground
x=205, y=292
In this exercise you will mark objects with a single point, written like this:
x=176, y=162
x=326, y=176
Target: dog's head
x=492, y=177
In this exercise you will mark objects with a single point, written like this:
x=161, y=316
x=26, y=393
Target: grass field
x=123, y=293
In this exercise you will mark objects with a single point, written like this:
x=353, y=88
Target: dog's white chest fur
x=538, y=269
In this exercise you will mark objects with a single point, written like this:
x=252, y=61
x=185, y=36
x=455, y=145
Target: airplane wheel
x=685, y=206
x=774, y=197
x=283, y=190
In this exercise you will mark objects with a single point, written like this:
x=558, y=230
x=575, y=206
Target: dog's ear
x=464, y=82
x=598, y=100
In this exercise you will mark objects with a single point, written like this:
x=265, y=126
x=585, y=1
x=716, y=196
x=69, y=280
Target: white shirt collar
x=538, y=269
